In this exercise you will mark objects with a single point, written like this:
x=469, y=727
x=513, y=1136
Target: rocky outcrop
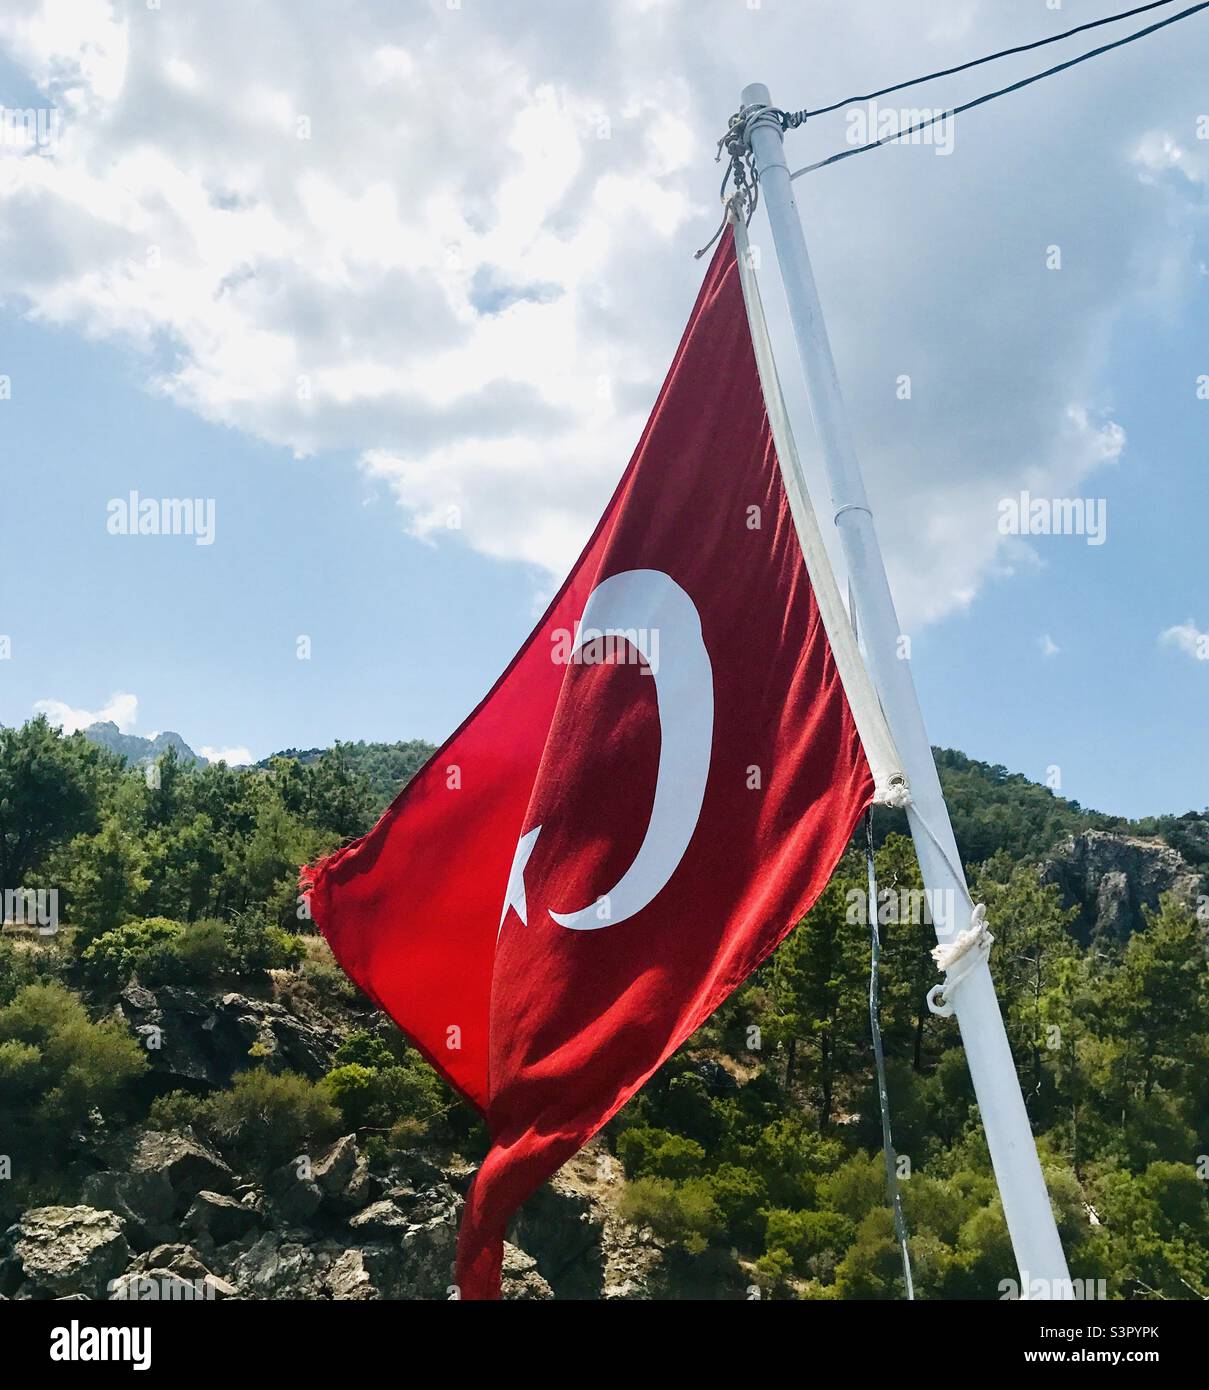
x=61, y=1252
x=198, y=1041
x=520, y=1279
x=1109, y=878
x=580, y=1243
x=139, y=751
x=152, y=1178
x=385, y=1252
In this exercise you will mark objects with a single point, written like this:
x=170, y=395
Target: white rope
x=895, y=794
x=890, y=781
x=959, y=959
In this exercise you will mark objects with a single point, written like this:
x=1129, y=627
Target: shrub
x=872, y=1266
x=683, y=1212
x=366, y=1048
x=740, y=1194
x=204, y=950
x=257, y=944
x=384, y=1097
x=16, y=970
x=178, y=1110
x=329, y=984
x=143, y=947
x=267, y=1118
x=656, y=1153
x=773, y=1271
x=351, y=1090
x=805, y=1234
x=857, y=1187
x=56, y=1064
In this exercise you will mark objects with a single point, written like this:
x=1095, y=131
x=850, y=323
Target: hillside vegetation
x=753, y=1157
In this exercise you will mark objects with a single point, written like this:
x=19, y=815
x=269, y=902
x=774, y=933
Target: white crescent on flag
x=655, y=614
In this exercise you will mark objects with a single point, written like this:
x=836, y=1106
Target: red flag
x=652, y=794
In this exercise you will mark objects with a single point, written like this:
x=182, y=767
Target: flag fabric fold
x=649, y=798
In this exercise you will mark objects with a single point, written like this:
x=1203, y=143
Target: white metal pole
x=1026, y=1204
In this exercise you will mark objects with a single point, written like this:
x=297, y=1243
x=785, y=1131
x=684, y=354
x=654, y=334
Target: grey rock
x=153, y=1178
x=293, y=1197
x=220, y=1218
x=348, y=1279
x=201, y=1040
x=428, y=1245
x=520, y=1278
x=64, y=1251
x=167, y=1286
x=343, y=1175
x=410, y=1168
x=178, y=1259
x=562, y=1228
x=144, y=1201
x=281, y=1037
x=382, y=1218
x=287, y=1264
x=1109, y=879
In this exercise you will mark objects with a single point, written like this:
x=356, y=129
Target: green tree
x=48, y=794
x=105, y=877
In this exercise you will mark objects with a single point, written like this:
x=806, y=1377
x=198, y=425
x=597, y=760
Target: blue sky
x=492, y=343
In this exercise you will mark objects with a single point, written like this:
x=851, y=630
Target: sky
x=390, y=288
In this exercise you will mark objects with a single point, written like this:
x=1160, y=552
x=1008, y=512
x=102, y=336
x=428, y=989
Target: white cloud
x=472, y=274
x=1160, y=152
x=233, y=757
x=1048, y=646
x=122, y=710
x=1188, y=638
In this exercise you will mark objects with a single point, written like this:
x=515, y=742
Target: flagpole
x=1026, y=1204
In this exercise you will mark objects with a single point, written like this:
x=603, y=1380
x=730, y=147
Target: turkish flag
x=652, y=794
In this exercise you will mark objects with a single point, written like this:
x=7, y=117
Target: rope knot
x=959, y=958
x=896, y=793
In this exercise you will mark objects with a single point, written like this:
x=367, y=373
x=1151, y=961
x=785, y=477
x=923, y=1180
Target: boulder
x=342, y=1175
x=293, y=1194
x=520, y=1278
x=166, y=1286
x=382, y=1218
x=219, y=1218
x=179, y=1259
x=562, y=1229
x=66, y=1251
x=186, y=1165
x=144, y=1201
x=348, y=1279
x=290, y=1265
x=279, y=1036
x=428, y=1244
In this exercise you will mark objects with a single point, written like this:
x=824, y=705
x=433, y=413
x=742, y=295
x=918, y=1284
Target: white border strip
x=884, y=762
